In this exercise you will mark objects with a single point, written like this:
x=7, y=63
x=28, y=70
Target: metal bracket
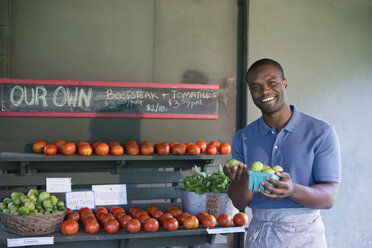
x=119, y=165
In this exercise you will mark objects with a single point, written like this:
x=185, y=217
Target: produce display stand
x=29, y=169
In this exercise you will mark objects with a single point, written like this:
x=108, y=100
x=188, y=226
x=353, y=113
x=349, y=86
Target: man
x=308, y=150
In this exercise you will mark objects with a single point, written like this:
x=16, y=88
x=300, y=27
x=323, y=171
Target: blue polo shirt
x=307, y=148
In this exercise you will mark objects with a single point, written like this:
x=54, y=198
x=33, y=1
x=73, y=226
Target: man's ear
x=285, y=83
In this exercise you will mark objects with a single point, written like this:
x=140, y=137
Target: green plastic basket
x=256, y=178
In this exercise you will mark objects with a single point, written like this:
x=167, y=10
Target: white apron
x=286, y=227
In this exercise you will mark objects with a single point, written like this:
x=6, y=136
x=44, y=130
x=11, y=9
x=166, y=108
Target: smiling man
x=308, y=150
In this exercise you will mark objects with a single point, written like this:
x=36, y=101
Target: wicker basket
x=31, y=225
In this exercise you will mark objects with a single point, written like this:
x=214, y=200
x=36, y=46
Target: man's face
x=267, y=88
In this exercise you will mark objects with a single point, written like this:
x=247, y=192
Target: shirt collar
x=290, y=127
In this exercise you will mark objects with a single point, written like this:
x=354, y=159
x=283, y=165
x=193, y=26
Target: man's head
x=266, y=82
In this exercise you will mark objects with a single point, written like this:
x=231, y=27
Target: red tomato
x=224, y=220
x=102, y=149
x=164, y=217
x=130, y=142
x=188, y=144
x=146, y=148
x=214, y=143
x=111, y=226
x=91, y=226
x=59, y=144
x=191, y=222
x=100, y=209
x=117, y=215
x=81, y=143
x=151, y=209
x=224, y=148
x=69, y=227
x=157, y=213
x=106, y=217
x=38, y=146
x=171, y=224
x=85, y=150
x=50, y=150
x=240, y=219
x=134, y=226
x=68, y=148
x=123, y=220
x=178, y=149
x=68, y=210
x=209, y=221
x=86, y=214
x=116, y=209
x=137, y=213
x=116, y=150
x=143, y=217
x=88, y=219
x=181, y=217
x=173, y=143
x=202, y=145
x=151, y=225
x=211, y=150
x=81, y=210
x=163, y=149
x=132, y=149
x=201, y=215
x=72, y=216
x=175, y=212
x=133, y=209
x=193, y=149
x=95, y=144
x=173, y=207
x=113, y=143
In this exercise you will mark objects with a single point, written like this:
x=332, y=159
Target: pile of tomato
x=131, y=147
x=149, y=220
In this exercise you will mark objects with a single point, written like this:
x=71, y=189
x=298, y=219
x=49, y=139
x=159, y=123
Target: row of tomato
x=149, y=220
x=131, y=147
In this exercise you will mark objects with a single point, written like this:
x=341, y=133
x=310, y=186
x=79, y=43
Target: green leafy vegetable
x=202, y=183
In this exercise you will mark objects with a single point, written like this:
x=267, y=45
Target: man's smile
x=268, y=99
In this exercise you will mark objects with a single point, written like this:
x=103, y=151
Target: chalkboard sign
x=64, y=98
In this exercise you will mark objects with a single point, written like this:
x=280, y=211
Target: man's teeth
x=267, y=99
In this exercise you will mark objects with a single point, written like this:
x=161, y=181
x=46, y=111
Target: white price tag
x=80, y=199
x=233, y=229
x=30, y=241
x=115, y=194
x=58, y=185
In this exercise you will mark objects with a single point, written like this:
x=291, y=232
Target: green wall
x=160, y=41
x=325, y=49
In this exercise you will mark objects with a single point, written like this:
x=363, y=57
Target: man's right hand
x=237, y=174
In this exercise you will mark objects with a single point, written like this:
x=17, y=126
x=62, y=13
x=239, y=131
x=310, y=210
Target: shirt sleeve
x=237, y=147
x=327, y=160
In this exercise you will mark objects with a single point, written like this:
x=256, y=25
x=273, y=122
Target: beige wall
x=325, y=49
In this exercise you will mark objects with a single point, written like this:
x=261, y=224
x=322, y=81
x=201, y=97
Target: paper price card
x=213, y=204
x=115, y=194
x=80, y=199
x=30, y=241
x=58, y=185
x=233, y=229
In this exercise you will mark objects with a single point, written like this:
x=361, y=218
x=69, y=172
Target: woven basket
x=31, y=225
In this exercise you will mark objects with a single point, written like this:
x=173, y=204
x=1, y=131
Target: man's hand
x=284, y=187
x=237, y=174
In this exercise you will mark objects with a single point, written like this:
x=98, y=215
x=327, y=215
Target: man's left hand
x=283, y=187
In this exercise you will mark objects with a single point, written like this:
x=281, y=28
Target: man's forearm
x=319, y=196
x=240, y=195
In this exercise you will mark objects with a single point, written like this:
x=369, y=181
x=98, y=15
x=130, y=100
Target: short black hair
x=265, y=61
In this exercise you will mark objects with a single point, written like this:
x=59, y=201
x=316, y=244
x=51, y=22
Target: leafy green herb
x=202, y=183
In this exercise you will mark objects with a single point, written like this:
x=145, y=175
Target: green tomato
x=33, y=191
x=61, y=208
x=53, y=199
x=265, y=167
x=24, y=199
x=233, y=162
x=12, y=206
x=14, y=194
x=14, y=212
x=46, y=212
x=269, y=170
x=24, y=211
x=7, y=200
x=256, y=166
x=30, y=206
x=44, y=195
x=3, y=206
x=32, y=197
x=60, y=204
x=47, y=204
x=277, y=168
x=6, y=211
x=16, y=201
